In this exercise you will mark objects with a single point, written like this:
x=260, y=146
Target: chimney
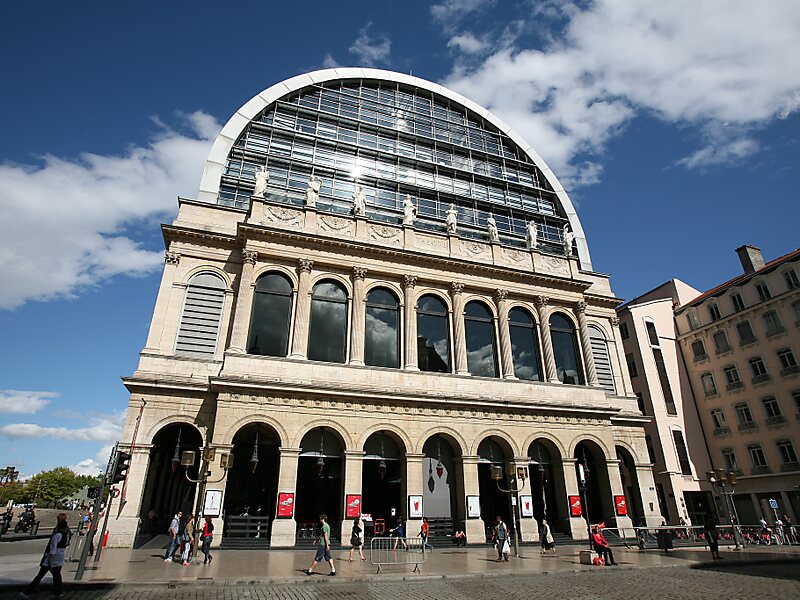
x=751, y=258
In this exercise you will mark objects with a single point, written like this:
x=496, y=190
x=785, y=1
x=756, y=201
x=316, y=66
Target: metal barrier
x=396, y=551
x=684, y=536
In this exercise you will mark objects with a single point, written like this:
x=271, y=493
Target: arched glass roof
x=393, y=136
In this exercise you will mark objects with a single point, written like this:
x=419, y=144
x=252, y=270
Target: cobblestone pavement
x=752, y=582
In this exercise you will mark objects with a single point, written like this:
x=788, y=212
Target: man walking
x=53, y=558
x=174, y=540
x=323, y=547
x=501, y=537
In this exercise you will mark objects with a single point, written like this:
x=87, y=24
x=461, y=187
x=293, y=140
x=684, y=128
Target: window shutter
x=202, y=310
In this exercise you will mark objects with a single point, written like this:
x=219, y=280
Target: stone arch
x=545, y=436
x=527, y=307
x=588, y=437
x=564, y=311
x=234, y=428
x=487, y=301
x=401, y=436
x=156, y=427
x=437, y=293
x=389, y=285
x=462, y=445
x=263, y=270
x=344, y=437
x=498, y=433
x=338, y=278
x=225, y=276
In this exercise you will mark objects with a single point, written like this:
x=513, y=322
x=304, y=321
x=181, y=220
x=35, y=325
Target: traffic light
x=121, y=467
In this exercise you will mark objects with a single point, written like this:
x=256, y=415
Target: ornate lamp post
x=719, y=479
x=8, y=476
x=516, y=479
x=583, y=483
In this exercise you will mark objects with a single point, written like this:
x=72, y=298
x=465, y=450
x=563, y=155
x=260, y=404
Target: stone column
x=302, y=313
x=284, y=531
x=624, y=387
x=577, y=525
x=624, y=523
x=586, y=343
x=353, y=463
x=359, y=317
x=475, y=529
x=547, y=342
x=528, y=527
x=647, y=490
x=171, y=261
x=460, y=341
x=413, y=488
x=506, y=354
x=410, y=323
x=244, y=303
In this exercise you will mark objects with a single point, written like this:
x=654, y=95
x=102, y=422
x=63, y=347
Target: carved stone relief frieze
x=282, y=216
x=515, y=257
x=431, y=242
x=475, y=249
x=337, y=225
x=554, y=265
x=382, y=234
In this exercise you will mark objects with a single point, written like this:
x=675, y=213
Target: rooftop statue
x=532, y=235
x=452, y=219
x=262, y=179
x=491, y=226
x=409, y=211
x=312, y=192
x=569, y=237
x=359, y=202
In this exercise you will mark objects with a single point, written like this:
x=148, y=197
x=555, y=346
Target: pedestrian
x=206, y=537
x=188, y=540
x=548, y=543
x=601, y=546
x=53, y=558
x=357, y=539
x=664, y=538
x=779, y=532
x=323, y=547
x=424, y=532
x=399, y=532
x=174, y=539
x=791, y=534
x=712, y=537
x=460, y=537
x=501, y=540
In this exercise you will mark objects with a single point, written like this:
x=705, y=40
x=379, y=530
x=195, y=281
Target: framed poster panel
x=526, y=506
x=352, y=506
x=473, y=507
x=212, y=504
x=415, y=507
x=575, y=508
x=621, y=506
x=285, y=505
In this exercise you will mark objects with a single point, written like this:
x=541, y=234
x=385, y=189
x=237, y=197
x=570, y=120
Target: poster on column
x=352, y=506
x=285, y=505
x=575, y=508
x=473, y=507
x=415, y=507
x=621, y=505
x=526, y=506
x=212, y=506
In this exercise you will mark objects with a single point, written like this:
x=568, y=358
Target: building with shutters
x=380, y=292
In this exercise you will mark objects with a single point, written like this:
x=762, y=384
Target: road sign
x=773, y=504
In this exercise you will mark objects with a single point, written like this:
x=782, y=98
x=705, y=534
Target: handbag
x=506, y=547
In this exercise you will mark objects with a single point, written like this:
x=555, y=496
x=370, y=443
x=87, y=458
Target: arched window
x=524, y=345
x=272, y=314
x=481, y=345
x=327, y=334
x=382, y=331
x=602, y=362
x=565, y=348
x=202, y=310
x=433, y=335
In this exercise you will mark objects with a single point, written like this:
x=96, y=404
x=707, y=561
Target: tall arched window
x=481, y=345
x=382, y=331
x=602, y=362
x=272, y=314
x=565, y=348
x=327, y=334
x=433, y=335
x=524, y=345
x=202, y=310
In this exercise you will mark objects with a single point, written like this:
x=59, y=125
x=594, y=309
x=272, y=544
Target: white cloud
x=96, y=465
x=451, y=12
x=103, y=428
x=720, y=152
x=64, y=220
x=24, y=402
x=371, y=48
x=329, y=62
x=468, y=43
x=685, y=62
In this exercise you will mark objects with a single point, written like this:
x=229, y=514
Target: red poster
x=352, y=506
x=575, y=509
x=622, y=506
x=285, y=505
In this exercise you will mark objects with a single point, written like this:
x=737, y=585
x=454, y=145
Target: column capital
x=581, y=307
x=249, y=257
x=542, y=301
x=359, y=273
x=414, y=456
x=409, y=281
x=354, y=454
x=470, y=460
x=456, y=287
x=172, y=258
x=289, y=451
x=614, y=321
x=500, y=295
x=304, y=265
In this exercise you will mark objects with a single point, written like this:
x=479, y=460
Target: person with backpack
x=53, y=558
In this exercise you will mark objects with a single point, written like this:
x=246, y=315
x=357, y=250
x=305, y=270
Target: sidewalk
x=232, y=567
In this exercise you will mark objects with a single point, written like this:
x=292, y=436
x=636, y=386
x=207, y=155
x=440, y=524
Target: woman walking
x=206, y=537
x=53, y=558
x=188, y=539
x=548, y=543
x=712, y=537
x=357, y=539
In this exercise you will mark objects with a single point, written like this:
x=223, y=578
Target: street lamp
x=8, y=476
x=516, y=479
x=583, y=482
x=718, y=478
x=208, y=455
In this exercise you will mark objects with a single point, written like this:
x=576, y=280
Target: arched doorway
x=166, y=489
x=630, y=485
x=596, y=494
x=442, y=485
x=383, y=483
x=495, y=451
x=547, y=485
x=320, y=481
x=252, y=487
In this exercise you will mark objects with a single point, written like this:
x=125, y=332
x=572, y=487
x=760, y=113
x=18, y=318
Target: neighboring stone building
x=379, y=292
x=741, y=341
x=661, y=383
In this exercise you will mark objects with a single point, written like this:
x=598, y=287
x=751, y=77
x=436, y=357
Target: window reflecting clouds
x=524, y=345
x=433, y=335
x=481, y=346
x=565, y=349
x=327, y=336
x=272, y=312
x=382, y=331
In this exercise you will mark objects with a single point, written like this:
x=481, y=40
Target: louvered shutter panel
x=202, y=310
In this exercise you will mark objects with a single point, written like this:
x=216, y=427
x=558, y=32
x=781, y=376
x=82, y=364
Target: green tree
x=47, y=487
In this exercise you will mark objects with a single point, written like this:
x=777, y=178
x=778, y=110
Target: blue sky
x=674, y=127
